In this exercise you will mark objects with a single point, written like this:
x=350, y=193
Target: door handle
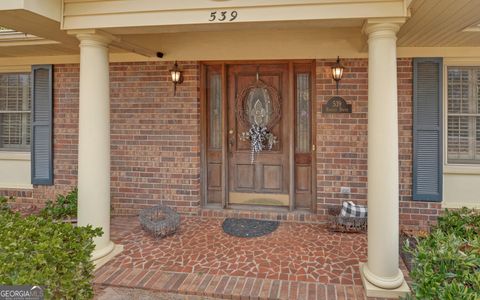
x=231, y=140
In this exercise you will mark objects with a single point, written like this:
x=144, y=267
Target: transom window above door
x=15, y=111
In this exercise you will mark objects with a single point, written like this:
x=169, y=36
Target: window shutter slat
x=427, y=129
x=42, y=122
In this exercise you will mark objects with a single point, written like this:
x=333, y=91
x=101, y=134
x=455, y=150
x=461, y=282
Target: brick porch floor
x=297, y=261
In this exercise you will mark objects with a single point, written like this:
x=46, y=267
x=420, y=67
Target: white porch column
x=381, y=274
x=94, y=139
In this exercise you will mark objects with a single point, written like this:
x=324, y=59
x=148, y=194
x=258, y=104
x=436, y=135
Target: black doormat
x=248, y=227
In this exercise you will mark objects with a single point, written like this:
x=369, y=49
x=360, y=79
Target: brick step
x=223, y=286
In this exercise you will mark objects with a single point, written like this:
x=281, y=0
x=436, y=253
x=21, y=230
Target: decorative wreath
x=258, y=135
x=242, y=111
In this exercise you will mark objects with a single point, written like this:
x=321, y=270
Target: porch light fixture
x=177, y=77
x=337, y=71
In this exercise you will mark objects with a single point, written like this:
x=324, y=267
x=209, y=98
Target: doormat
x=248, y=227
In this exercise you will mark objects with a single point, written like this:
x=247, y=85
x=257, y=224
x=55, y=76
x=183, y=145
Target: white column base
x=102, y=256
x=372, y=290
x=99, y=253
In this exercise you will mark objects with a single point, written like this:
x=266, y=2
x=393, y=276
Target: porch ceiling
x=35, y=34
x=279, y=24
x=441, y=23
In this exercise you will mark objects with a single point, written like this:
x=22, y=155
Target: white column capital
x=93, y=37
x=382, y=28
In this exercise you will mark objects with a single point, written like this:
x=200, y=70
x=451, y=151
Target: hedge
x=64, y=207
x=38, y=251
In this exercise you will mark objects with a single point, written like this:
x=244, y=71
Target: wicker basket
x=160, y=220
x=345, y=224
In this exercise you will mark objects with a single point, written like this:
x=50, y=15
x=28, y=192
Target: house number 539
x=223, y=16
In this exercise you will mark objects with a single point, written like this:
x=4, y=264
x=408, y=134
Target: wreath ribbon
x=260, y=139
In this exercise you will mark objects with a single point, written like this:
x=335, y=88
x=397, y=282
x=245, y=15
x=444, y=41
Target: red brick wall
x=413, y=214
x=65, y=139
x=342, y=141
x=342, y=138
x=155, y=138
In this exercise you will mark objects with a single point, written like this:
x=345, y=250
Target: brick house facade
x=155, y=140
x=90, y=103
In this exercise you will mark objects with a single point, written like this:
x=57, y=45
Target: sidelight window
x=215, y=110
x=302, y=125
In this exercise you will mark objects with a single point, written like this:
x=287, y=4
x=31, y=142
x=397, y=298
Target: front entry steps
x=264, y=213
x=155, y=283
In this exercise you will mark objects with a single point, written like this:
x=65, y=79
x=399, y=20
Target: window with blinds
x=463, y=115
x=15, y=109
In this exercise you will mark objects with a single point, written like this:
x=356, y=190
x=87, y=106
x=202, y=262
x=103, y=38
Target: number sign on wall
x=336, y=105
x=223, y=16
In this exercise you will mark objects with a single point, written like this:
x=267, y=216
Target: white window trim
x=460, y=205
x=455, y=168
x=15, y=155
x=16, y=69
x=12, y=186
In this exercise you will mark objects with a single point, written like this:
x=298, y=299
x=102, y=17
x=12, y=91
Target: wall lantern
x=177, y=77
x=337, y=71
x=337, y=104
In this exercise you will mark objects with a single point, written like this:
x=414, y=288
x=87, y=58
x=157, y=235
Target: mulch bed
x=248, y=227
x=411, y=236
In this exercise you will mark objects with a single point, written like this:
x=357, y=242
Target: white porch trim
x=138, y=13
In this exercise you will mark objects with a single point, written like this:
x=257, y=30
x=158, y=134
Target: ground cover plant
x=446, y=263
x=36, y=250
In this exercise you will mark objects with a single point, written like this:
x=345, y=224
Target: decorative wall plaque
x=336, y=105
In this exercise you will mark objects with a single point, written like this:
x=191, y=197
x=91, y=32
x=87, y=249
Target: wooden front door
x=258, y=96
x=276, y=96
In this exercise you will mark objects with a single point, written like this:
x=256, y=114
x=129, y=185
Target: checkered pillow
x=350, y=209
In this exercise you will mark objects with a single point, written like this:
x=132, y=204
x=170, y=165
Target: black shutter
x=427, y=129
x=42, y=122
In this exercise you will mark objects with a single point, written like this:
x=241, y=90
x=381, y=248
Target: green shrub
x=463, y=223
x=4, y=207
x=447, y=262
x=55, y=255
x=63, y=207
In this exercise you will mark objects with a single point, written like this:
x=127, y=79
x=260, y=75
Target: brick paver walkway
x=297, y=261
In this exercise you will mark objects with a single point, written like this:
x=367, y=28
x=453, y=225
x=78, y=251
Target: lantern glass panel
x=337, y=72
x=175, y=76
